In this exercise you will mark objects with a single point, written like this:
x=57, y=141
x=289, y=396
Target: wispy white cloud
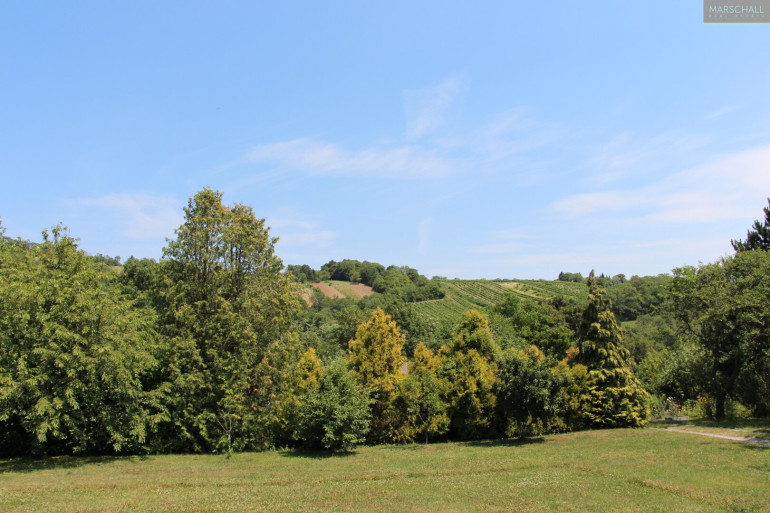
x=514, y=132
x=427, y=109
x=604, y=202
x=501, y=145
x=298, y=236
x=720, y=112
x=325, y=158
x=142, y=216
x=723, y=188
x=626, y=155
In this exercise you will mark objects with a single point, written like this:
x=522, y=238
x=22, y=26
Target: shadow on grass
x=758, y=425
x=502, y=442
x=506, y=442
x=754, y=445
x=764, y=424
x=315, y=454
x=61, y=462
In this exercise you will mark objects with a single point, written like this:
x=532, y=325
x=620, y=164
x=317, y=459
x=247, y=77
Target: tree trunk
x=719, y=389
x=720, y=406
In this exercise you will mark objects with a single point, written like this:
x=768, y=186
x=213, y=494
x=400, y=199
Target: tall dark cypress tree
x=614, y=397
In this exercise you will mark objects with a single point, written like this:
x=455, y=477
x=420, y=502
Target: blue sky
x=483, y=140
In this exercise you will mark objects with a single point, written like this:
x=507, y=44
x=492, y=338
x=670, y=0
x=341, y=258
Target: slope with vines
x=463, y=295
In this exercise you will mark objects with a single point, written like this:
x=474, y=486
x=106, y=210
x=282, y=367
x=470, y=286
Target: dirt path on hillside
x=748, y=439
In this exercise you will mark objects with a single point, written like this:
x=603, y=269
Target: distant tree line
x=631, y=298
x=402, y=283
x=106, y=259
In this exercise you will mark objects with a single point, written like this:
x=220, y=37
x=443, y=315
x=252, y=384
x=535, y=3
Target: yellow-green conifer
x=376, y=361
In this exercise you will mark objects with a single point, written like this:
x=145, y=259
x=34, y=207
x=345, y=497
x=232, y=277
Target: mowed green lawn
x=614, y=470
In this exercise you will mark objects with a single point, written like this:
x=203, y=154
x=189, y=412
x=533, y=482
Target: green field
x=593, y=471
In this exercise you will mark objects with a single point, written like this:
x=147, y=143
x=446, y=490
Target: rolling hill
x=464, y=295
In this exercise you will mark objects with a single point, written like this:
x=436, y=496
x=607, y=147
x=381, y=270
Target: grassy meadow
x=592, y=471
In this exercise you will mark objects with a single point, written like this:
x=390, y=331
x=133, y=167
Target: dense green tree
x=74, y=353
x=421, y=399
x=519, y=324
x=758, y=237
x=347, y=320
x=752, y=273
x=352, y=270
x=573, y=277
x=572, y=384
x=651, y=333
x=684, y=373
x=303, y=379
x=468, y=365
x=638, y=296
x=106, y=260
x=527, y=390
x=141, y=280
x=375, y=357
x=335, y=415
x=701, y=298
x=470, y=395
x=723, y=306
x=614, y=397
x=416, y=327
x=224, y=305
x=303, y=273
x=474, y=333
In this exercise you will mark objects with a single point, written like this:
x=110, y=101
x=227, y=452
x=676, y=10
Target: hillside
x=462, y=295
x=336, y=289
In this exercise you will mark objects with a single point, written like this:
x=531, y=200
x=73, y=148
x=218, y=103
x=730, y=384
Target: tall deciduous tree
x=225, y=301
x=724, y=307
x=614, y=396
x=751, y=273
x=74, y=353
